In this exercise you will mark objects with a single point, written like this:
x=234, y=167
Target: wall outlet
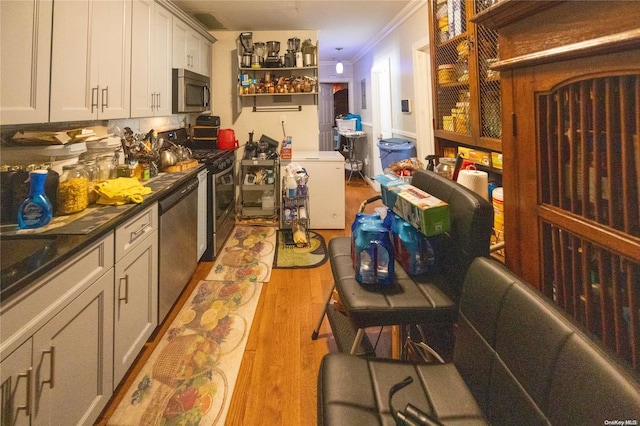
x=283, y=119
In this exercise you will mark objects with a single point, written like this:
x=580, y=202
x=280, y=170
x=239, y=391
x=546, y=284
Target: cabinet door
x=150, y=60
x=16, y=384
x=180, y=34
x=162, y=58
x=136, y=304
x=142, y=95
x=72, y=358
x=205, y=58
x=90, y=67
x=112, y=54
x=24, y=72
x=186, y=46
x=72, y=76
x=193, y=50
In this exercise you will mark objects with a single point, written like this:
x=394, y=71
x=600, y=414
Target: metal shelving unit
x=256, y=178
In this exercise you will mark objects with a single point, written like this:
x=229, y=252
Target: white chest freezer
x=326, y=186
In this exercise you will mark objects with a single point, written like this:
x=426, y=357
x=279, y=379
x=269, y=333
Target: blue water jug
x=413, y=250
x=374, y=255
x=360, y=219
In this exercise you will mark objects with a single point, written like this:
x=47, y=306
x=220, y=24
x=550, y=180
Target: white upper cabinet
x=151, y=59
x=205, y=57
x=91, y=57
x=26, y=57
x=190, y=50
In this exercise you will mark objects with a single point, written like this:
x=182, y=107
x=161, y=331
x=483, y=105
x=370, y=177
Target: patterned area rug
x=291, y=257
x=190, y=376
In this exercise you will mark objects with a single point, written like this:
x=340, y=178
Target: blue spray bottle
x=36, y=210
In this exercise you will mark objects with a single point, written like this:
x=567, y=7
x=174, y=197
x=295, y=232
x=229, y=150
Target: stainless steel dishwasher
x=178, y=244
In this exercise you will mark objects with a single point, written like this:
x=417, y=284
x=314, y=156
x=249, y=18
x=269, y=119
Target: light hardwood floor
x=276, y=384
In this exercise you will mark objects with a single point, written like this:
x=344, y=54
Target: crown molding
x=412, y=7
x=197, y=26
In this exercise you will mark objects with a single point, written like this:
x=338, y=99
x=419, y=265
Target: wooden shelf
x=506, y=12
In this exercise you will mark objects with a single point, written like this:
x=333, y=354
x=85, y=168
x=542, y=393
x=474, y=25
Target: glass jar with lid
x=92, y=173
x=106, y=167
x=73, y=189
x=445, y=167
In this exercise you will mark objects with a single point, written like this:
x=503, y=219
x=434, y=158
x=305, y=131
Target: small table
x=352, y=164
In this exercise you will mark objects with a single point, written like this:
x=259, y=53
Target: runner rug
x=190, y=376
x=291, y=257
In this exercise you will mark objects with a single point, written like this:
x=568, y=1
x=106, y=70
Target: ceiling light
x=339, y=66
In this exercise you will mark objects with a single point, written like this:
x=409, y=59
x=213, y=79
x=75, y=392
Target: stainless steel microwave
x=191, y=92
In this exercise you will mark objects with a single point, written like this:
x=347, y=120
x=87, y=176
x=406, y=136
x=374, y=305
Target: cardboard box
x=423, y=211
x=390, y=185
x=464, y=151
x=480, y=157
x=496, y=160
x=285, y=153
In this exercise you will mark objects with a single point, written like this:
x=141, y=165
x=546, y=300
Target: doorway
x=382, y=125
x=333, y=100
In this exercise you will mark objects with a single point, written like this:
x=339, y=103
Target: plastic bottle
x=36, y=210
x=374, y=263
x=414, y=251
x=291, y=186
x=360, y=219
x=268, y=200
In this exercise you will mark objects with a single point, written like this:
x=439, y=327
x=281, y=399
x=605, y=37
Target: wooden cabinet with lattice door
x=571, y=129
x=466, y=92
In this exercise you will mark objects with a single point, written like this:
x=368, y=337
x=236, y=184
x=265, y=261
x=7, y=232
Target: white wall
x=302, y=126
x=397, y=48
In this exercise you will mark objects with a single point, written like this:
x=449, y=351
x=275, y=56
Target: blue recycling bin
x=393, y=150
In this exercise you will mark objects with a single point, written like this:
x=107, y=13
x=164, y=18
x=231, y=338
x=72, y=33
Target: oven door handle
x=228, y=169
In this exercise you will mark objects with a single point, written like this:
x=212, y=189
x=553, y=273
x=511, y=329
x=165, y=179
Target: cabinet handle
x=27, y=404
x=52, y=367
x=94, y=98
x=105, y=98
x=124, y=299
x=158, y=100
x=137, y=234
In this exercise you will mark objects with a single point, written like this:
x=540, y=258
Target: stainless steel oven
x=222, y=205
x=221, y=191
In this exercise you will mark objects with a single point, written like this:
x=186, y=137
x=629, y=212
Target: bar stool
x=429, y=298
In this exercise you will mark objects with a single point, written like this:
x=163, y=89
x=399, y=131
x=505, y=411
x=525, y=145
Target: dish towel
x=121, y=191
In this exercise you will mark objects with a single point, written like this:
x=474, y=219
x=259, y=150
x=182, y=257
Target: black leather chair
x=429, y=298
x=518, y=360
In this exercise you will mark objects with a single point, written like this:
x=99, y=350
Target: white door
x=135, y=304
x=113, y=57
x=16, y=385
x=325, y=117
x=72, y=75
x=422, y=96
x=91, y=57
x=26, y=59
x=142, y=90
x=382, y=126
x=73, y=359
x=162, y=60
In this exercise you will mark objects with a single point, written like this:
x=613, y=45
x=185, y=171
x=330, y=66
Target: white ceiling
x=350, y=24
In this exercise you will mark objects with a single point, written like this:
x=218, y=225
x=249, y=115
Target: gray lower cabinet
x=135, y=289
x=16, y=376
x=67, y=340
x=57, y=343
x=70, y=353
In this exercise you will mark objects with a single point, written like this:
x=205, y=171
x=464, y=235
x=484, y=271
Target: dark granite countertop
x=26, y=255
